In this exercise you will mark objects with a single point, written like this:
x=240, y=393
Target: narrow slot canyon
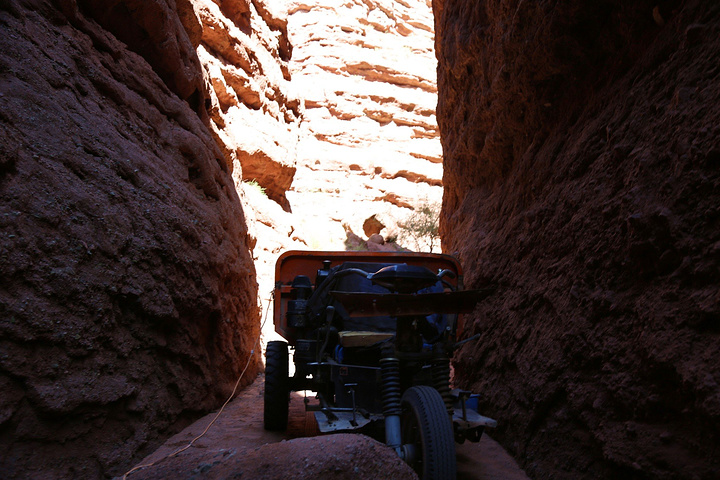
x=158, y=156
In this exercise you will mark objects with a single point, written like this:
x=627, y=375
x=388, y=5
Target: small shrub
x=254, y=184
x=421, y=229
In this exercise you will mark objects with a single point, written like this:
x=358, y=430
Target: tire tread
x=277, y=392
x=438, y=442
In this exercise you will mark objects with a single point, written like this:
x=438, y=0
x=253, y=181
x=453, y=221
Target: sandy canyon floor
x=237, y=446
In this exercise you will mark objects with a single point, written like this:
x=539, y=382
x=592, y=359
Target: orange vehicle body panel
x=299, y=262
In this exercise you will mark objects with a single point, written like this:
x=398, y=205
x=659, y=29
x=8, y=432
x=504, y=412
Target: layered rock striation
x=128, y=294
x=369, y=142
x=254, y=111
x=581, y=180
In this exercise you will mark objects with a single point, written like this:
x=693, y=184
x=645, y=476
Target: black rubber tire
x=277, y=386
x=426, y=424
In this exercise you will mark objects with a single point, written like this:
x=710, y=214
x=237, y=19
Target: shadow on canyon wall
x=582, y=175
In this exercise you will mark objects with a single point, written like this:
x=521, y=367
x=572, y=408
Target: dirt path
x=486, y=460
x=237, y=446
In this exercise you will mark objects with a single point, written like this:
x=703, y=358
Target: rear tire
x=277, y=386
x=426, y=425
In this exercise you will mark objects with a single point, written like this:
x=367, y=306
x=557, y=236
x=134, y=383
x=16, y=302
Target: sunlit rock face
x=128, y=295
x=244, y=49
x=369, y=141
x=254, y=114
x=582, y=182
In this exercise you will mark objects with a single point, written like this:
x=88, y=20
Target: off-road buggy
x=373, y=334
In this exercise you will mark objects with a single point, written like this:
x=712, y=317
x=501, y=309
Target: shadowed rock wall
x=128, y=297
x=582, y=179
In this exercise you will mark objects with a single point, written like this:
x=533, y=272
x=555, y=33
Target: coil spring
x=390, y=371
x=441, y=381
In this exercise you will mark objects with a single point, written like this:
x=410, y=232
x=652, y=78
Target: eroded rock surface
x=582, y=179
x=244, y=49
x=369, y=142
x=128, y=296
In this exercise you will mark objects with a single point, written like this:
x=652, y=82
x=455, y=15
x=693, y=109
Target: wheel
x=427, y=434
x=277, y=386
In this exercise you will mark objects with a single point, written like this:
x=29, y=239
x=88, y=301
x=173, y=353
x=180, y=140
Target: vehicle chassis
x=394, y=382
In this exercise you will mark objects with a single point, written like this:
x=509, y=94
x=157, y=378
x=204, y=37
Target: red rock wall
x=128, y=297
x=582, y=179
x=244, y=48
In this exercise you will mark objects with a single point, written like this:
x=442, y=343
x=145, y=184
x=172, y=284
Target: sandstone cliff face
x=254, y=115
x=244, y=48
x=369, y=142
x=582, y=179
x=127, y=301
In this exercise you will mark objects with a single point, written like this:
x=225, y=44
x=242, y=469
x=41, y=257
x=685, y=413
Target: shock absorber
x=441, y=377
x=390, y=371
